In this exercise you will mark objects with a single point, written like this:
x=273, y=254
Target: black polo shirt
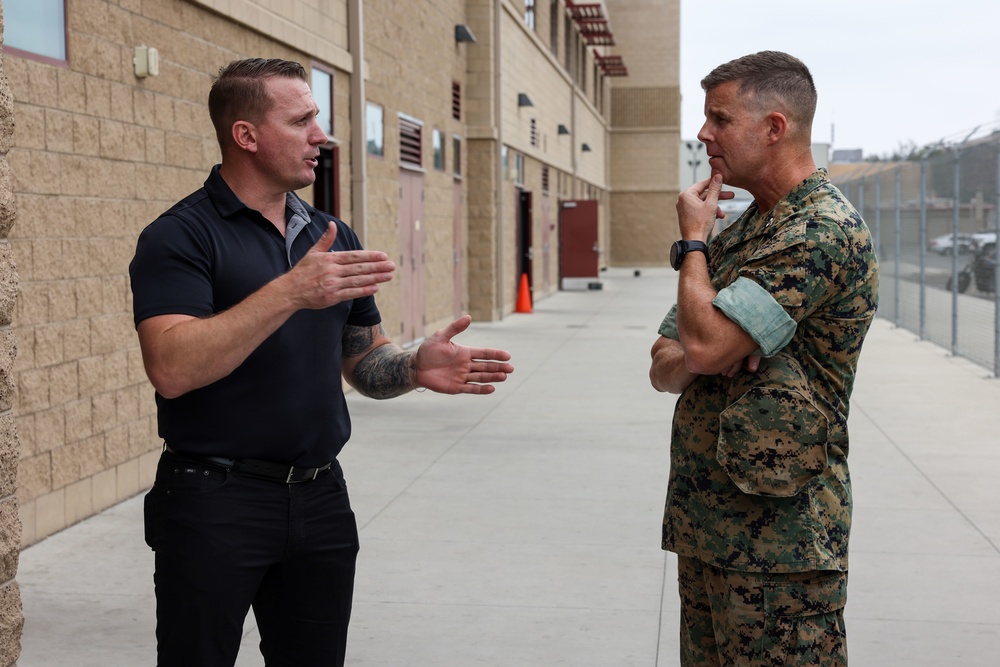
x=284, y=403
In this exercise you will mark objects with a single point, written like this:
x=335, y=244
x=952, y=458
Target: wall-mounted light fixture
x=563, y=129
x=463, y=33
x=585, y=148
x=146, y=61
x=524, y=101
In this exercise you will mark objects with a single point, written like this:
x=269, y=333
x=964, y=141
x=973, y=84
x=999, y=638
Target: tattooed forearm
x=384, y=372
x=358, y=339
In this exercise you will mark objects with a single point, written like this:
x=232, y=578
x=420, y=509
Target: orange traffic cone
x=524, y=296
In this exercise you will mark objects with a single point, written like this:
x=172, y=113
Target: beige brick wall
x=97, y=155
x=412, y=62
x=11, y=613
x=645, y=131
x=651, y=228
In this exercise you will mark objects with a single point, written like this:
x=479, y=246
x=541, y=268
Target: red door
x=411, y=256
x=579, y=250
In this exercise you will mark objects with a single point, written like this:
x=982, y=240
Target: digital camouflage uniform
x=759, y=485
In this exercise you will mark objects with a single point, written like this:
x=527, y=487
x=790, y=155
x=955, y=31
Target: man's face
x=734, y=135
x=289, y=137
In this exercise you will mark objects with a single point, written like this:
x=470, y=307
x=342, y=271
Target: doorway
x=411, y=256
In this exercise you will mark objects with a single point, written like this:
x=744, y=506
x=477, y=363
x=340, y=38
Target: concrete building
x=475, y=140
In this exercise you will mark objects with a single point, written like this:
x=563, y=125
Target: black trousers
x=224, y=542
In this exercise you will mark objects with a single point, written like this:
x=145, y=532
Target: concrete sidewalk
x=522, y=529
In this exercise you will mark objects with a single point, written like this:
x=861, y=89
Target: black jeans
x=225, y=542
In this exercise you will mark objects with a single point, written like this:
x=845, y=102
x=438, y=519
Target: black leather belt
x=279, y=472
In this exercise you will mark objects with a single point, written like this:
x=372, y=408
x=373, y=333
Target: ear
x=777, y=127
x=245, y=136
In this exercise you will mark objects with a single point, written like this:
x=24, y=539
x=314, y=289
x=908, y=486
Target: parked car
x=982, y=238
x=943, y=244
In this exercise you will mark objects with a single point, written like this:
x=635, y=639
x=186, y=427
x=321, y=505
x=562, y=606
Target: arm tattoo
x=382, y=373
x=358, y=339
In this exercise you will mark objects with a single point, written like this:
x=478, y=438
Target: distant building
x=848, y=155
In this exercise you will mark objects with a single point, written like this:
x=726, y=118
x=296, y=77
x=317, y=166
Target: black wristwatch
x=681, y=248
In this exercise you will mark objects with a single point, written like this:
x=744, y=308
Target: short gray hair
x=771, y=79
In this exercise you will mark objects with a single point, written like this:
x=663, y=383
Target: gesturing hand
x=698, y=208
x=323, y=278
x=447, y=368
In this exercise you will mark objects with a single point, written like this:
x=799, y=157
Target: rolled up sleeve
x=668, y=328
x=754, y=309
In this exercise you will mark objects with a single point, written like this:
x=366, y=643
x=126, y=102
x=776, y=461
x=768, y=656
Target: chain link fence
x=935, y=224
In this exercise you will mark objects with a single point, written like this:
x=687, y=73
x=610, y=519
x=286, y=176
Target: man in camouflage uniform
x=762, y=347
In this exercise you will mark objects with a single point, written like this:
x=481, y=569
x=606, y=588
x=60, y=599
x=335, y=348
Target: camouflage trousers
x=750, y=619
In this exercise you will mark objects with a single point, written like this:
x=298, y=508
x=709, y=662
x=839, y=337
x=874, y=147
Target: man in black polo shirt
x=250, y=306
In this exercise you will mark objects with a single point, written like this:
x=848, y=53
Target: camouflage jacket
x=758, y=463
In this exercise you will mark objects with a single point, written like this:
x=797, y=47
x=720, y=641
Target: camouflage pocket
x=772, y=436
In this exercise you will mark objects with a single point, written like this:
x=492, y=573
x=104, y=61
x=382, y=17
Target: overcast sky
x=888, y=72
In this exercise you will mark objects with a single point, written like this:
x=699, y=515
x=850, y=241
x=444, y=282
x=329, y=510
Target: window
x=326, y=189
x=438, y=139
x=456, y=156
x=505, y=162
x=597, y=87
x=36, y=27
x=529, y=13
x=374, y=130
x=518, y=169
x=322, y=90
x=567, y=42
x=554, y=27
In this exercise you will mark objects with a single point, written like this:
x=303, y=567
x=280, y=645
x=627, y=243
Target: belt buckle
x=291, y=472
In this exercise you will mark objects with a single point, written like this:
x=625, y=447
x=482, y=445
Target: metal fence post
x=996, y=275
x=923, y=248
x=954, y=255
x=861, y=198
x=878, y=212
x=899, y=231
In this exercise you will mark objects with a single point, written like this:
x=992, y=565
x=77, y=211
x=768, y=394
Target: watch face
x=673, y=256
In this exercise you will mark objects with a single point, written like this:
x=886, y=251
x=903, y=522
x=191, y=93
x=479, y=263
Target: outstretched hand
x=442, y=366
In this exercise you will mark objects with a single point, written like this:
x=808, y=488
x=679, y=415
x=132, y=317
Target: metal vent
x=410, y=142
x=456, y=100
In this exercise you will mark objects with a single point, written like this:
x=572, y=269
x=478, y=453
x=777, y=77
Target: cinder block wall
x=11, y=614
x=97, y=155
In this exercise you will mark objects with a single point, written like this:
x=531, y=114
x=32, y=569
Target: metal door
x=579, y=250
x=547, y=227
x=411, y=256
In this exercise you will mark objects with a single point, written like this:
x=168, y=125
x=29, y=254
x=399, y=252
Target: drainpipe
x=359, y=150
x=500, y=180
